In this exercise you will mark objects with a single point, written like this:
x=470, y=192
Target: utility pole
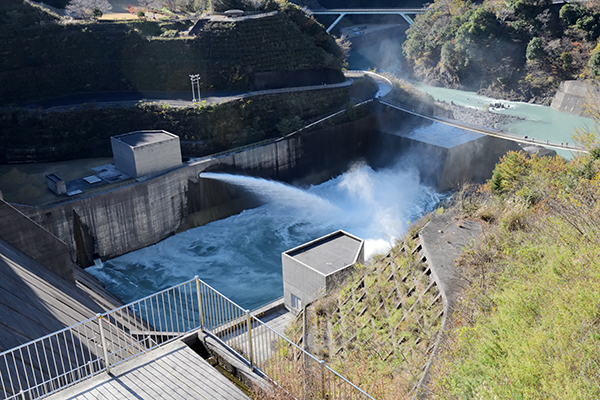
x=195, y=79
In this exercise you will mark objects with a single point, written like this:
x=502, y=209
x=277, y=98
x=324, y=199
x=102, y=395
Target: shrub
x=509, y=172
x=594, y=62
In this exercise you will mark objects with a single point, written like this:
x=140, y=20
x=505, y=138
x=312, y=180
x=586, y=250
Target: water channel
x=241, y=255
x=539, y=122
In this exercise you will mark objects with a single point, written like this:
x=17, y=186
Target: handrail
x=64, y=358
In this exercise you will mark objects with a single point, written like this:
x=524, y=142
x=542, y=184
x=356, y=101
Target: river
x=539, y=122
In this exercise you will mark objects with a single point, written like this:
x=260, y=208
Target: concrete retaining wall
x=136, y=216
x=31, y=239
x=572, y=95
x=443, y=161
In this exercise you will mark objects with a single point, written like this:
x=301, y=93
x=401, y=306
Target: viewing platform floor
x=172, y=372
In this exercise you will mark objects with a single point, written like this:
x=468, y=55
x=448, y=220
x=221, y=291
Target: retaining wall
x=31, y=239
x=572, y=95
x=129, y=218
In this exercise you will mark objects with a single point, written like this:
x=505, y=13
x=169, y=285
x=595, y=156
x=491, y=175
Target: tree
x=528, y=9
x=87, y=8
x=535, y=49
x=569, y=14
x=594, y=62
x=567, y=60
x=97, y=13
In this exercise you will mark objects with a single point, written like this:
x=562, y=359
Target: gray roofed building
x=316, y=267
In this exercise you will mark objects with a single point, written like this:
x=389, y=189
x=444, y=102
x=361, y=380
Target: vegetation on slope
x=520, y=49
x=378, y=329
x=528, y=324
x=44, y=57
x=31, y=135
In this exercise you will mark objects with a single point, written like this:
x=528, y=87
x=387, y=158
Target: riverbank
x=477, y=117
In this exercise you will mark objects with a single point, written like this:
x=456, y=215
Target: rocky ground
x=477, y=117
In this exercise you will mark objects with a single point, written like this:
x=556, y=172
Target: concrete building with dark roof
x=142, y=153
x=314, y=268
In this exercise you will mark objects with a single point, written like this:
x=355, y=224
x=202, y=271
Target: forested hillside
x=516, y=49
x=45, y=56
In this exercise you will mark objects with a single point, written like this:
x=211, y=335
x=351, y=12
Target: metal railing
x=59, y=360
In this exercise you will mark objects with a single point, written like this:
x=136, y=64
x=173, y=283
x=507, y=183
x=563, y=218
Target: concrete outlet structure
x=56, y=184
x=312, y=269
x=146, y=152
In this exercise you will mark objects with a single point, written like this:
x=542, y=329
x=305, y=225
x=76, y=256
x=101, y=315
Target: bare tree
x=87, y=8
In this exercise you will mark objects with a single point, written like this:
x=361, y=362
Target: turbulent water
x=241, y=255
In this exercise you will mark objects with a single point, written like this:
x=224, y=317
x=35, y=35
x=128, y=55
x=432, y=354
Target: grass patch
x=528, y=326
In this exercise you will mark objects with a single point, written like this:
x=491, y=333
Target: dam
x=133, y=217
x=433, y=157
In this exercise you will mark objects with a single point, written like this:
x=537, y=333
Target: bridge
x=406, y=13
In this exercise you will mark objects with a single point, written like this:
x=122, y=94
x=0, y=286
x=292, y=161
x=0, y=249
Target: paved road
x=174, y=99
x=128, y=98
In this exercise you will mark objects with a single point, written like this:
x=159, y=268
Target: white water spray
x=241, y=255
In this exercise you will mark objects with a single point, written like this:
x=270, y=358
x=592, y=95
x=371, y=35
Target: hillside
x=45, y=57
x=528, y=326
x=519, y=50
x=34, y=136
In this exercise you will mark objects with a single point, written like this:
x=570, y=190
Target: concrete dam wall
x=127, y=219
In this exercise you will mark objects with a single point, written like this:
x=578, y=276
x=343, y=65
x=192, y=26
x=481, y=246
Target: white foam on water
x=241, y=255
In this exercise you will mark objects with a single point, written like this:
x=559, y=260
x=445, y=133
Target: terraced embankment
x=384, y=325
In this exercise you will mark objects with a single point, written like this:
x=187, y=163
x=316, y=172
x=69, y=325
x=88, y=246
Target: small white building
x=146, y=152
x=316, y=267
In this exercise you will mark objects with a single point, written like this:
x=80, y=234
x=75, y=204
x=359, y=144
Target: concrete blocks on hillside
x=572, y=96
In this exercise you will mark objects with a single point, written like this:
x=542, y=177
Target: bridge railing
x=47, y=365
